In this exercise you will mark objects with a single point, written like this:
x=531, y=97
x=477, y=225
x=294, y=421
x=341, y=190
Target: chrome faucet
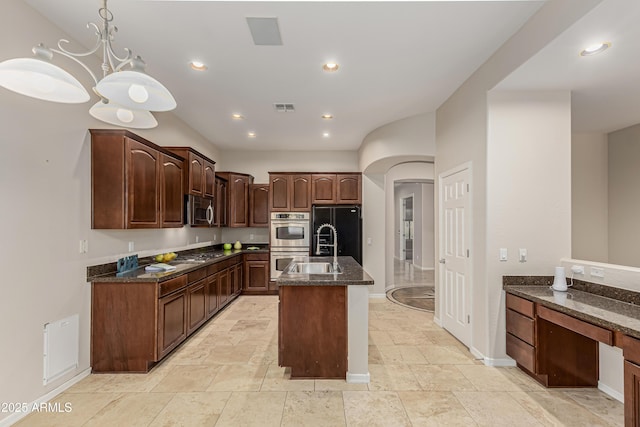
x=335, y=244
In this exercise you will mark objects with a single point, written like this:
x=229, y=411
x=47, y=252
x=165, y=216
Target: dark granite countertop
x=107, y=273
x=352, y=274
x=612, y=308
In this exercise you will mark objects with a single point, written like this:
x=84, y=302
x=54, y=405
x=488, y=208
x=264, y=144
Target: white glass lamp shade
x=42, y=80
x=136, y=90
x=120, y=115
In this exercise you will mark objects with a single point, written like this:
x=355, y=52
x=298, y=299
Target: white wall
x=428, y=228
x=589, y=197
x=373, y=231
x=45, y=190
x=461, y=137
x=260, y=163
x=624, y=203
x=528, y=192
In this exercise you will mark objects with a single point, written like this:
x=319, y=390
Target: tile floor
x=406, y=274
x=227, y=375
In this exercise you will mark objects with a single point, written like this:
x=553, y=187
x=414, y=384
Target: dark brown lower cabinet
x=197, y=309
x=312, y=337
x=256, y=273
x=172, y=327
x=631, y=394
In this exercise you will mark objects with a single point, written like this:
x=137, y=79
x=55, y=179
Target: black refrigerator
x=347, y=221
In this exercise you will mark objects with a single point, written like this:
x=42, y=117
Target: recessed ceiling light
x=595, y=49
x=327, y=116
x=251, y=134
x=325, y=134
x=197, y=65
x=330, y=67
x=237, y=116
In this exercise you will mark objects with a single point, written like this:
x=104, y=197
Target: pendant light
x=127, y=95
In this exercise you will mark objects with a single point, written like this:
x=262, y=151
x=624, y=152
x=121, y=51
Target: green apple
x=159, y=258
x=226, y=246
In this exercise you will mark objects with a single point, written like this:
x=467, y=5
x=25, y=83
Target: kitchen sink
x=313, y=268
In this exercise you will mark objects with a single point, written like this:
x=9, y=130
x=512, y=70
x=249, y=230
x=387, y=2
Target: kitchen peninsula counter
x=323, y=322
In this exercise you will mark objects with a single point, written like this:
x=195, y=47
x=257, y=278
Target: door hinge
x=467, y=253
x=467, y=188
x=468, y=318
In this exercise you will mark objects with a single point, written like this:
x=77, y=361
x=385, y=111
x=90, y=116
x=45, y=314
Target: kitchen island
x=323, y=321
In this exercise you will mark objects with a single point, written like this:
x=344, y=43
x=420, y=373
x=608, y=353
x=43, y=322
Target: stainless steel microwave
x=199, y=211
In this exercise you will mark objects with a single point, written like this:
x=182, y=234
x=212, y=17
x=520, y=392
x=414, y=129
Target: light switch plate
x=503, y=254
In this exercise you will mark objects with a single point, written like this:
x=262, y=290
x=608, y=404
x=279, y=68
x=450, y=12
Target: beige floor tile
x=495, y=409
x=488, y=378
x=313, y=409
x=249, y=409
x=279, y=379
x=238, y=378
x=265, y=355
x=68, y=410
x=192, y=355
x=380, y=338
x=338, y=385
x=375, y=357
x=405, y=336
x=92, y=383
x=192, y=409
x=441, y=378
x=392, y=378
x=187, y=378
x=231, y=354
x=446, y=355
x=435, y=409
x=131, y=410
x=139, y=383
x=374, y=408
x=594, y=400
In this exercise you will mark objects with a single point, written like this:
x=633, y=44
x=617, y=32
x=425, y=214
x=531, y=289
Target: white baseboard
x=507, y=361
x=437, y=321
x=14, y=417
x=423, y=268
x=358, y=378
x=611, y=392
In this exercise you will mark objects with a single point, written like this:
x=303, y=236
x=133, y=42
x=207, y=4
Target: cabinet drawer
x=199, y=274
x=631, y=349
x=522, y=352
x=571, y=323
x=521, y=326
x=520, y=305
x=256, y=257
x=172, y=285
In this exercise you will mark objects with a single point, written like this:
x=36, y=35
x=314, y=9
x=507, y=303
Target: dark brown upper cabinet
x=290, y=192
x=259, y=205
x=349, y=188
x=134, y=183
x=200, y=175
x=323, y=189
x=237, y=208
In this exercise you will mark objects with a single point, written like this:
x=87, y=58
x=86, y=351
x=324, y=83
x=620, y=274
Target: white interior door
x=455, y=260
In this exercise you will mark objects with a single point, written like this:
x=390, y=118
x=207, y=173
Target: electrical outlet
x=577, y=269
x=215, y=237
x=597, y=272
x=83, y=247
x=131, y=247
x=197, y=239
x=252, y=236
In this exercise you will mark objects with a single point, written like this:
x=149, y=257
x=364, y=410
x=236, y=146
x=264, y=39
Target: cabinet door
x=196, y=305
x=143, y=193
x=631, y=394
x=256, y=275
x=349, y=189
x=279, y=188
x=209, y=179
x=235, y=279
x=238, y=201
x=220, y=211
x=171, y=200
x=300, y=193
x=172, y=322
x=259, y=205
x=212, y=295
x=196, y=173
x=223, y=287
x=323, y=189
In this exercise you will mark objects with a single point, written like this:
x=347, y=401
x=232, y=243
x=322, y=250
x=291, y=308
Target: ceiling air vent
x=284, y=108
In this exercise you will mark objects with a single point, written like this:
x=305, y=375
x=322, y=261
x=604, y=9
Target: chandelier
x=127, y=96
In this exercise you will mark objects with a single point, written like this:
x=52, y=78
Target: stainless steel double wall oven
x=290, y=237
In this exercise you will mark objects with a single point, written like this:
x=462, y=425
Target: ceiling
x=605, y=88
x=397, y=59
